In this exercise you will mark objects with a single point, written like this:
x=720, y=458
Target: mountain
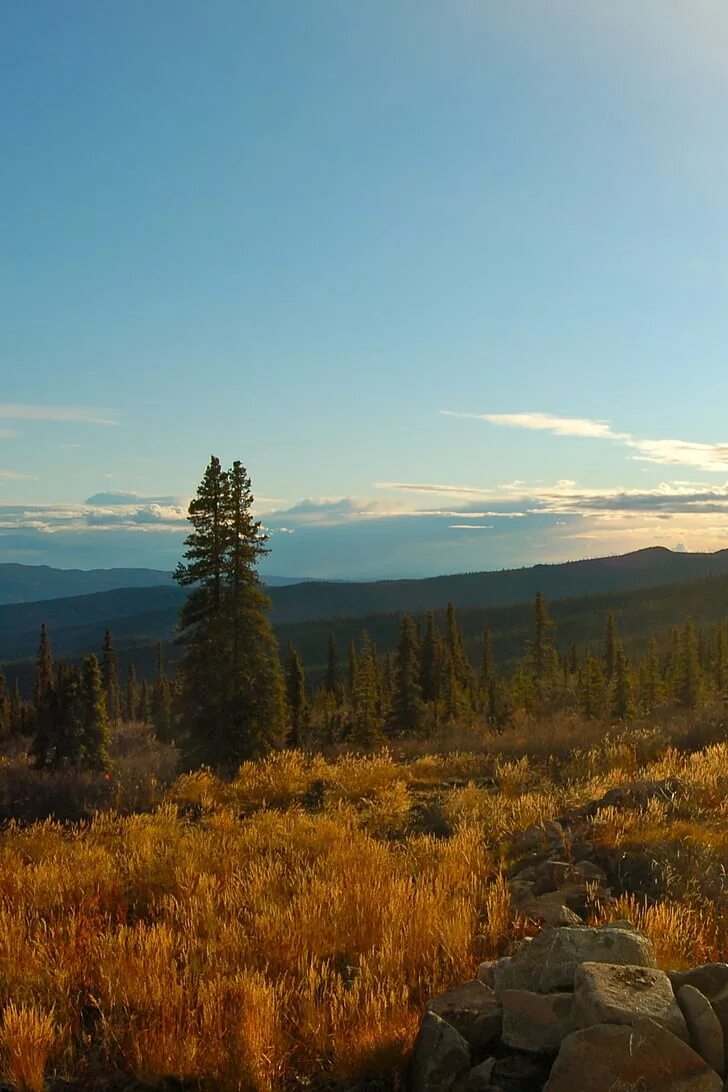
x=641, y=569
x=31, y=583
x=652, y=589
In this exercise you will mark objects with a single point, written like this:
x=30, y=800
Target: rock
x=440, y=1058
x=538, y=837
x=636, y=794
x=472, y=1010
x=608, y=1057
x=486, y=972
x=711, y=979
x=521, y=1073
x=589, y=872
x=706, y=1033
x=606, y=993
x=522, y=891
x=536, y=1022
x=479, y=1078
x=549, y=962
x=549, y=910
x=719, y=1004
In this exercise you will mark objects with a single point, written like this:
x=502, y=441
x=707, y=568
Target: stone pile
x=577, y=1008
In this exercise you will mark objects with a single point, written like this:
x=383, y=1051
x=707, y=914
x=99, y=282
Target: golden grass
x=289, y=928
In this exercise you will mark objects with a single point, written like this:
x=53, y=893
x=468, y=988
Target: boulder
x=550, y=909
x=522, y=891
x=549, y=962
x=440, y=1058
x=486, y=972
x=711, y=979
x=636, y=794
x=706, y=1033
x=607, y=993
x=479, y=1078
x=521, y=1072
x=645, y=1056
x=536, y=1022
x=538, y=837
x=719, y=1004
x=589, y=872
x=472, y=1010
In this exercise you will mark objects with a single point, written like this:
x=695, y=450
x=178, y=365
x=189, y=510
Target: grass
x=286, y=927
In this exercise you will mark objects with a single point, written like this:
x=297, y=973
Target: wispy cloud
x=708, y=457
x=15, y=476
x=26, y=411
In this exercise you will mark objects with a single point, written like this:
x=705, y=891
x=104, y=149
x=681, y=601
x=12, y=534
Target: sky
x=449, y=278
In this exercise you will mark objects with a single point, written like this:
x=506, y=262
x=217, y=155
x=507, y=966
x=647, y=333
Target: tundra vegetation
x=236, y=878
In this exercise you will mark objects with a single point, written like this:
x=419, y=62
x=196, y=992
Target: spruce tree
x=232, y=684
x=94, y=729
x=110, y=675
x=542, y=652
x=351, y=669
x=331, y=679
x=611, y=647
x=408, y=710
x=43, y=701
x=690, y=674
x=296, y=694
x=5, y=705
x=622, y=687
x=162, y=699
x=131, y=696
x=486, y=663
x=590, y=687
x=366, y=721
x=431, y=661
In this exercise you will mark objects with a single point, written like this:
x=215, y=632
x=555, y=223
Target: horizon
x=444, y=281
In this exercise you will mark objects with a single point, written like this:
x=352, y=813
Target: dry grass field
x=285, y=928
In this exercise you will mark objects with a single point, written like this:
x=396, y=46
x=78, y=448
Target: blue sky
x=450, y=279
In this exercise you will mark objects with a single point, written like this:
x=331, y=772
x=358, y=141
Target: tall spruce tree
x=366, y=723
x=331, y=679
x=611, y=647
x=622, y=687
x=43, y=702
x=297, y=700
x=408, y=710
x=110, y=675
x=5, y=705
x=131, y=695
x=543, y=657
x=93, y=741
x=232, y=684
x=431, y=661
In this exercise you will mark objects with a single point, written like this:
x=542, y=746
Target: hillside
x=32, y=583
x=641, y=569
x=139, y=618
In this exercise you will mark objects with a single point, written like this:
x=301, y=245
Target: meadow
x=285, y=928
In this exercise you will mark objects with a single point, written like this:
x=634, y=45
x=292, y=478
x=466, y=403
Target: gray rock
x=710, y=978
x=549, y=962
x=706, y=1033
x=479, y=1078
x=590, y=872
x=538, y=837
x=536, y=1022
x=472, y=1010
x=550, y=909
x=440, y=1058
x=606, y=993
x=611, y=1057
x=486, y=972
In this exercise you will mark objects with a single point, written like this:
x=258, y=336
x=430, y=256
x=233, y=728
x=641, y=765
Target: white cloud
x=708, y=457
x=470, y=526
x=15, y=476
x=21, y=411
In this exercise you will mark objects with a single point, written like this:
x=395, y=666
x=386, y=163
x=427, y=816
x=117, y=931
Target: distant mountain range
x=305, y=612
x=36, y=583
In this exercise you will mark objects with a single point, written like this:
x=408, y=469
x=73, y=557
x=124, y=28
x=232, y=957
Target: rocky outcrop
x=642, y=1056
x=577, y=1007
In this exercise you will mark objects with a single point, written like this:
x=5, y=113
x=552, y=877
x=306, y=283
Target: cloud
x=118, y=497
x=15, y=476
x=546, y=422
x=21, y=411
x=470, y=526
x=710, y=457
